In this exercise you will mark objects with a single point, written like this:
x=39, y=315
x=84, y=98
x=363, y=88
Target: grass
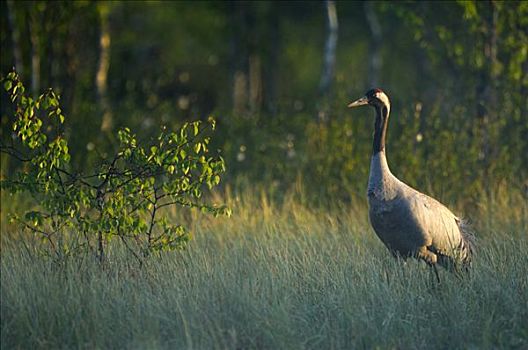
x=271, y=277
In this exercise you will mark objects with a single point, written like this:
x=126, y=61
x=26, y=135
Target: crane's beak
x=362, y=101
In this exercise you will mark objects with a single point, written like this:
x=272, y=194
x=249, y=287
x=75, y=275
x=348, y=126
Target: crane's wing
x=441, y=225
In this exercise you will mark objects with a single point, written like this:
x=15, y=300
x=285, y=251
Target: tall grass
x=276, y=277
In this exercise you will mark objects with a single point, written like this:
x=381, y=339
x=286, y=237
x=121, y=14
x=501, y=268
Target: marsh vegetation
x=290, y=277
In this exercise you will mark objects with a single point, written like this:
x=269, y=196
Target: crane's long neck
x=381, y=180
x=380, y=129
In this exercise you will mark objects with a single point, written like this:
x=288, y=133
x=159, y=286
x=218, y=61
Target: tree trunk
x=35, y=52
x=15, y=37
x=271, y=69
x=255, y=83
x=239, y=57
x=104, y=65
x=375, y=59
x=486, y=91
x=330, y=48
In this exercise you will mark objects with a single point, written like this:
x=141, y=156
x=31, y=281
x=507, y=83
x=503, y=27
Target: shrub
x=124, y=196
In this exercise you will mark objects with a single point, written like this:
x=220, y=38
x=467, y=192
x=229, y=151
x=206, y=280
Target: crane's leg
x=436, y=273
x=430, y=258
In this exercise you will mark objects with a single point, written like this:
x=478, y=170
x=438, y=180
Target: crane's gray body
x=412, y=224
x=408, y=222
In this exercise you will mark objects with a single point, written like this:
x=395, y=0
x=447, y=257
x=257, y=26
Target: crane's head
x=373, y=97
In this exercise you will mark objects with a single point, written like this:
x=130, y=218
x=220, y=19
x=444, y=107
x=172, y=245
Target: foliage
x=453, y=71
x=478, y=51
x=123, y=197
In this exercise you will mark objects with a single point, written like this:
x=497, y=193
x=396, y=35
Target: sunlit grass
x=272, y=276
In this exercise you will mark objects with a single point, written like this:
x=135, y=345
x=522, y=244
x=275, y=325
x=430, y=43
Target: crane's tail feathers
x=460, y=259
x=467, y=243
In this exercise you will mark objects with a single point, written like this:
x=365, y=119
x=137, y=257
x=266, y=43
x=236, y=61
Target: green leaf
x=8, y=84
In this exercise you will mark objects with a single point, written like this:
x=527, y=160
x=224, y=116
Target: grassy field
x=273, y=277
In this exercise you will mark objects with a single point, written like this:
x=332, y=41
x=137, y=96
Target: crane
x=408, y=222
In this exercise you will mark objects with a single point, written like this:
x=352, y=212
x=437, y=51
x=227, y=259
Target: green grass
x=273, y=277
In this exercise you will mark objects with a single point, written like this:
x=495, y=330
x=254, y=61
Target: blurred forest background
x=277, y=76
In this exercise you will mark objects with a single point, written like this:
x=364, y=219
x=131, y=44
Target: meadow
x=276, y=275
x=92, y=133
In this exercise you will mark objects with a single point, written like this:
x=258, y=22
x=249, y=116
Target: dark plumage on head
x=373, y=92
x=373, y=97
